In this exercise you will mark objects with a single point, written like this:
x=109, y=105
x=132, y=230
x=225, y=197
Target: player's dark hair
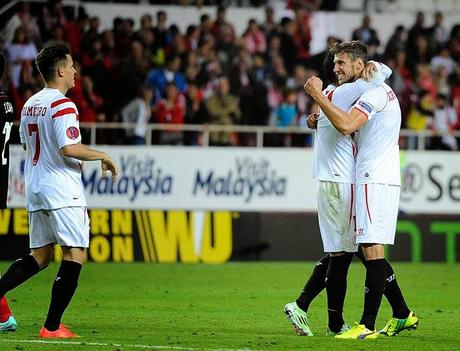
x=355, y=49
x=328, y=70
x=50, y=58
x=2, y=65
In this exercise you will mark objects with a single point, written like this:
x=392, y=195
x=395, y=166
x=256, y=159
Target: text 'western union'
x=149, y=235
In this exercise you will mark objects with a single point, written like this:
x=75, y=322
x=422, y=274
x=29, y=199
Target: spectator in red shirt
x=171, y=110
x=302, y=35
x=89, y=104
x=192, y=37
x=20, y=96
x=74, y=31
x=221, y=28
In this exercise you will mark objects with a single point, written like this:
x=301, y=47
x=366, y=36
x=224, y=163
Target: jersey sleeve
x=372, y=102
x=64, y=117
x=382, y=74
x=385, y=70
x=345, y=95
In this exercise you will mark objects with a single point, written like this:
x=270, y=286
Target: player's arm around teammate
x=373, y=74
x=345, y=122
x=345, y=69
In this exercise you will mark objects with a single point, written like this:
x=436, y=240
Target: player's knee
x=338, y=270
x=74, y=254
x=43, y=260
x=373, y=251
x=43, y=256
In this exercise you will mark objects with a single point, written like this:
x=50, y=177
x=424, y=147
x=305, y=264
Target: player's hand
x=313, y=85
x=312, y=120
x=107, y=164
x=368, y=72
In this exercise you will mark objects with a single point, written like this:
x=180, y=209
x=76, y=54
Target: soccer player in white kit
x=55, y=200
x=374, y=121
x=334, y=168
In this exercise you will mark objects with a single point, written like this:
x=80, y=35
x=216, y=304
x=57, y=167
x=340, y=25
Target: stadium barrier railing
x=412, y=139
x=409, y=139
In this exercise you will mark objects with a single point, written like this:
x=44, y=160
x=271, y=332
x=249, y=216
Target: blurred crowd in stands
x=208, y=74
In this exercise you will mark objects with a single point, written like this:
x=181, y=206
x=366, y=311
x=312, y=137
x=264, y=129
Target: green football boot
x=358, y=331
x=298, y=319
x=396, y=326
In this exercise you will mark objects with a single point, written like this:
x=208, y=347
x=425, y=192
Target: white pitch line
x=133, y=346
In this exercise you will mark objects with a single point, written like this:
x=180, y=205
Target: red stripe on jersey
x=60, y=102
x=364, y=113
x=63, y=112
x=329, y=95
x=367, y=203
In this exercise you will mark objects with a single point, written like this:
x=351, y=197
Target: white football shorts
x=335, y=216
x=67, y=226
x=377, y=208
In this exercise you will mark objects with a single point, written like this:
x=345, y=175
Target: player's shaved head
x=50, y=58
x=354, y=49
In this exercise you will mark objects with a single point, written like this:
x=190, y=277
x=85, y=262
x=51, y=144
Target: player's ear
x=359, y=63
x=60, y=71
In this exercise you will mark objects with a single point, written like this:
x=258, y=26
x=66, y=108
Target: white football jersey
x=334, y=153
x=49, y=121
x=377, y=160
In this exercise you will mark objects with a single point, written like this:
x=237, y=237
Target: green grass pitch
x=235, y=306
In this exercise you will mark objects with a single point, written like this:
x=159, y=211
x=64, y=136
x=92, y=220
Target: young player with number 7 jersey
x=55, y=200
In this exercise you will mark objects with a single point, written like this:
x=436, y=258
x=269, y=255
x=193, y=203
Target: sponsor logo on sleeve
x=365, y=106
x=72, y=132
